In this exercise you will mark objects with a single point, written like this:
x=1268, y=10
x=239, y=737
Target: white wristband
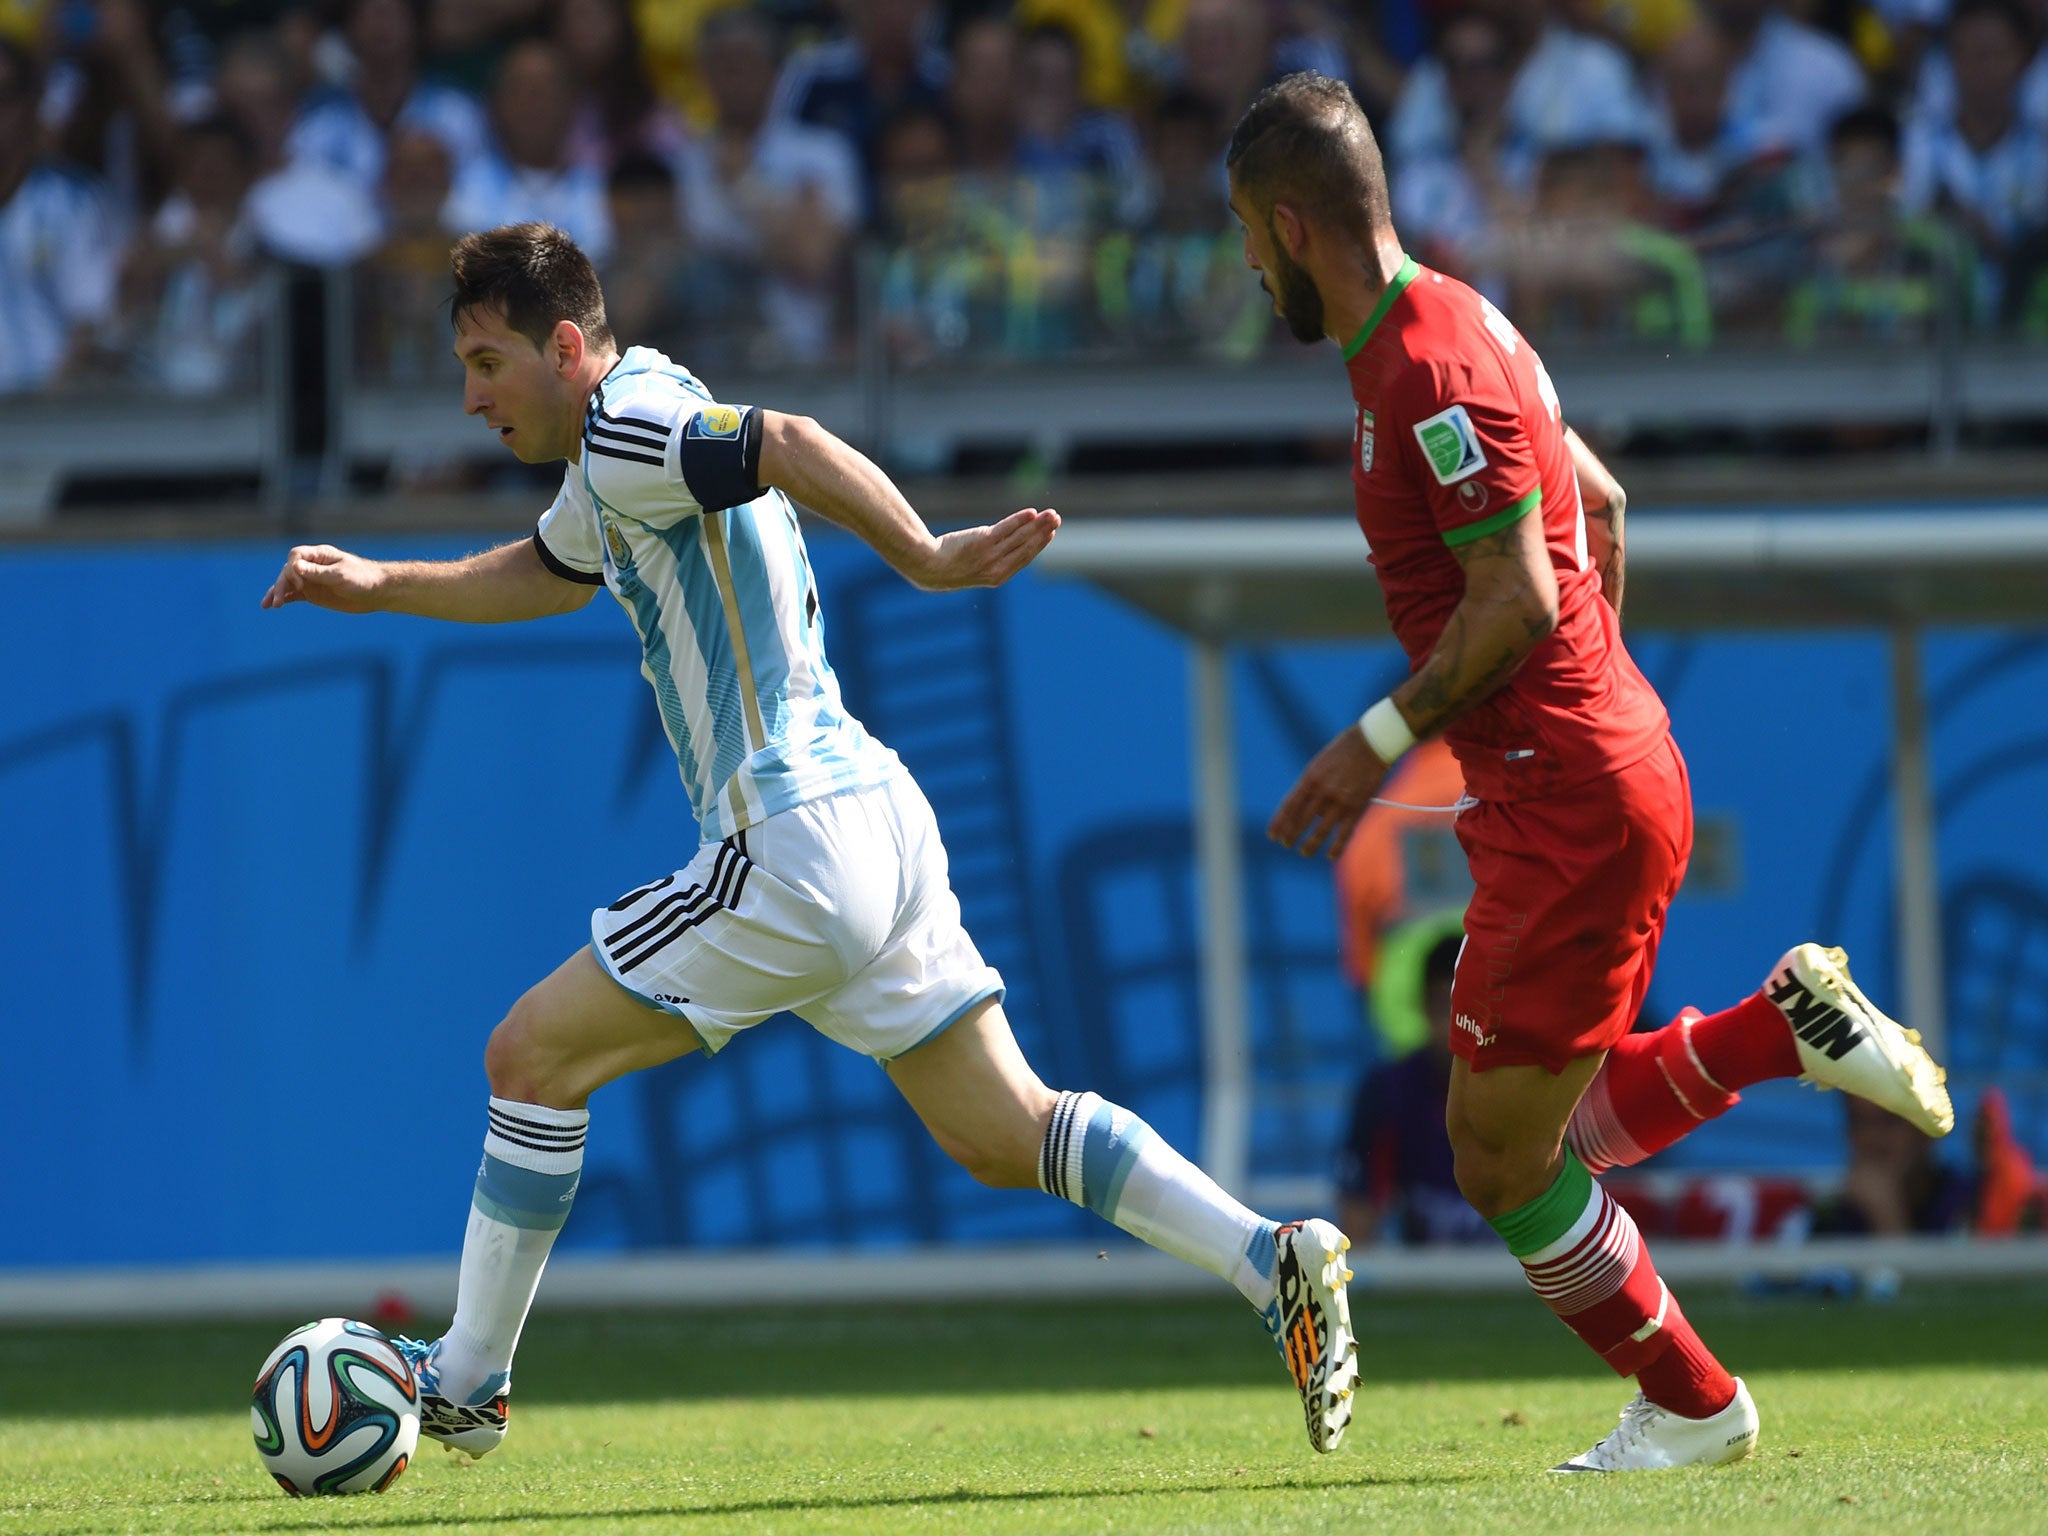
x=1385, y=731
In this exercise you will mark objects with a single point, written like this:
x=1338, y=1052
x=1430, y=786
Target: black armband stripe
x=549, y=559
x=723, y=472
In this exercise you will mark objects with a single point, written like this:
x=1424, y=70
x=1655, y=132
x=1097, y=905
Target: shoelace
x=1636, y=1420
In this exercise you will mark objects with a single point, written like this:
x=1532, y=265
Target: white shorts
x=838, y=911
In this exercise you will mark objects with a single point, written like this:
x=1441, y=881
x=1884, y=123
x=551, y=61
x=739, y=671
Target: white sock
x=1105, y=1158
x=533, y=1157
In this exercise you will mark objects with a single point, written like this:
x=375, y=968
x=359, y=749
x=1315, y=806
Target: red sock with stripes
x=1656, y=1087
x=1590, y=1266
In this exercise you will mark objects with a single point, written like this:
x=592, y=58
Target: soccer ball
x=336, y=1410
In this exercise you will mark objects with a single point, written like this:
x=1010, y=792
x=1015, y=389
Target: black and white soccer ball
x=336, y=1410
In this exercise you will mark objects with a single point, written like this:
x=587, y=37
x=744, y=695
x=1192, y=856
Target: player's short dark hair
x=533, y=275
x=1866, y=125
x=1304, y=140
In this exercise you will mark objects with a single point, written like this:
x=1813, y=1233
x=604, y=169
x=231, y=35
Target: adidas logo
x=1827, y=1029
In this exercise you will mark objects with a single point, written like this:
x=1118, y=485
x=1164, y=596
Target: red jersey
x=1458, y=436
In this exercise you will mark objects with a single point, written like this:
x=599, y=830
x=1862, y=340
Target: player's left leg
x=1809, y=1020
x=1589, y=1264
x=989, y=1111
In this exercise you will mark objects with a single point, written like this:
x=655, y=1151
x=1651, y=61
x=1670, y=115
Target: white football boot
x=1311, y=1325
x=476, y=1427
x=1845, y=1042
x=1653, y=1439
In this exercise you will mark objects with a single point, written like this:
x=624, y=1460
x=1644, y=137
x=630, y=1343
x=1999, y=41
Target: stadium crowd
x=1019, y=179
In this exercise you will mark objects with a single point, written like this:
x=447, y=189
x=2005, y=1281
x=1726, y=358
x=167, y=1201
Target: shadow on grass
x=828, y=1351
x=963, y=1498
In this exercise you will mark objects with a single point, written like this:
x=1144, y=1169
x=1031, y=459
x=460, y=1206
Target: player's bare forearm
x=843, y=485
x=1606, y=505
x=1509, y=608
x=498, y=586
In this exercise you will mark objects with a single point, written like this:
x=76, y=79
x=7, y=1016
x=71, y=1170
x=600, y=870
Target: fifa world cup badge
x=1364, y=441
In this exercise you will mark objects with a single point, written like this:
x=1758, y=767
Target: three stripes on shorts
x=664, y=921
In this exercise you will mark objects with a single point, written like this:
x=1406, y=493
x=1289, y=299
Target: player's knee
x=988, y=1163
x=1497, y=1179
x=516, y=1061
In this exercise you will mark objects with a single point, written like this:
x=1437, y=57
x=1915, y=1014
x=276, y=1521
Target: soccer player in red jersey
x=1497, y=537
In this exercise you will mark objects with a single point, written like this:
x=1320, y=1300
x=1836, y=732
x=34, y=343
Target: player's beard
x=1300, y=301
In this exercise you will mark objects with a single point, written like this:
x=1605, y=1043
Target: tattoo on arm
x=1509, y=607
x=1606, y=538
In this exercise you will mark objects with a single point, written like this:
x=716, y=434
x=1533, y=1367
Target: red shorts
x=1571, y=892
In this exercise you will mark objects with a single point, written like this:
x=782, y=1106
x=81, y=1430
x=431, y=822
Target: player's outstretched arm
x=497, y=586
x=1605, y=504
x=840, y=483
x=1509, y=607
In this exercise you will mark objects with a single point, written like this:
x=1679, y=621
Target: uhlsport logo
x=714, y=421
x=615, y=541
x=1824, y=1027
x=1451, y=445
x=1472, y=1027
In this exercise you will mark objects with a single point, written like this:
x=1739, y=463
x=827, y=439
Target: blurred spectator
x=106, y=100
x=301, y=210
x=654, y=291
x=1394, y=1170
x=886, y=65
x=1893, y=1184
x=981, y=96
x=1934, y=97
x=1696, y=142
x=1175, y=282
x=347, y=127
x=527, y=174
x=2012, y=1194
x=468, y=39
x=401, y=325
x=1589, y=267
x=668, y=32
x=617, y=111
x=1564, y=88
x=946, y=284
x=191, y=279
x=1060, y=136
x=59, y=251
x=1988, y=167
x=1227, y=53
x=1787, y=82
x=1450, y=208
x=1877, y=273
x=776, y=201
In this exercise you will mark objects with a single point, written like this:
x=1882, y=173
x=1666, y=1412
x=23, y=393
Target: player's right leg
x=1586, y=1261
x=563, y=1040
x=1809, y=1020
x=987, y=1109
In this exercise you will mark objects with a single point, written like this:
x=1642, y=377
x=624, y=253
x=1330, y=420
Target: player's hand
x=328, y=578
x=1332, y=793
x=989, y=556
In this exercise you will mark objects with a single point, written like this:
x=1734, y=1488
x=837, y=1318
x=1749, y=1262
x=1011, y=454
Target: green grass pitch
x=1927, y=1414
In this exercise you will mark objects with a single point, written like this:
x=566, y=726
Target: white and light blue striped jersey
x=664, y=509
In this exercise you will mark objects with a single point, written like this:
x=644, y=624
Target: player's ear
x=566, y=347
x=1289, y=229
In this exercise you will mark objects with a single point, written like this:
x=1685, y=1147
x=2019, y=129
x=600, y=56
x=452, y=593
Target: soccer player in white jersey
x=820, y=887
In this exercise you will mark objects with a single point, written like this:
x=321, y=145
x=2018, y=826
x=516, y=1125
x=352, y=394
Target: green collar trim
x=1395, y=289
